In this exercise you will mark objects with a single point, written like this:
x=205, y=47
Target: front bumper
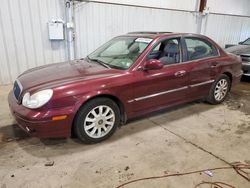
x=39, y=123
x=246, y=68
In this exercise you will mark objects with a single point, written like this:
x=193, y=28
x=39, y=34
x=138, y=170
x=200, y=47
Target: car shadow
x=11, y=133
x=63, y=146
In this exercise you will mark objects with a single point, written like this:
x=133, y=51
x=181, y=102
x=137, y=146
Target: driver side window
x=167, y=51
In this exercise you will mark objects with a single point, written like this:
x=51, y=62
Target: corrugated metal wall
x=24, y=39
x=97, y=23
x=24, y=36
x=225, y=29
x=239, y=7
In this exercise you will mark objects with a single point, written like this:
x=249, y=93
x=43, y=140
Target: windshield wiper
x=100, y=62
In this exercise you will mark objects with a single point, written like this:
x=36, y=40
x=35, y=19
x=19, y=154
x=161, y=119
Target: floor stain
x=243, y=128
x=239, y=98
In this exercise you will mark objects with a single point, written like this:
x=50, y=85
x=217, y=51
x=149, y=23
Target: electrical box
x=56, y=30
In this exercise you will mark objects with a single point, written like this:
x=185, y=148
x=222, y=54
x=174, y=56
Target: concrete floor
x=186, y=138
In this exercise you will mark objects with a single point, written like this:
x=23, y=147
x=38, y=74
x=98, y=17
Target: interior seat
x=199, y=52
x=170, y=54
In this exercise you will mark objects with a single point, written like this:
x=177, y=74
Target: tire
x=219, y=90
x=90, y=127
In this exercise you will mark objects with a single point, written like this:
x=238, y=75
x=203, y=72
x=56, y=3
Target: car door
x=163, y=87
x=200, y=55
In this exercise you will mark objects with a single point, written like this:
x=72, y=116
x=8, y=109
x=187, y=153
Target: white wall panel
x=24, y=39
x=96, y=23
x=238, y=7
x=226, y=29
x=245, y=29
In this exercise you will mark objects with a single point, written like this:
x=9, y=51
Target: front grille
x=17, y=89
x=245, y=58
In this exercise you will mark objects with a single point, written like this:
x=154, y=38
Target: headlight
x=37, y=99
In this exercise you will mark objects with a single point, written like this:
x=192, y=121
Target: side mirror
x=153, y=64
x=240, y=42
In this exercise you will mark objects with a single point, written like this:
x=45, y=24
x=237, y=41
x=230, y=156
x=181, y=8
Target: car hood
x=239, y=49
x=57, y=74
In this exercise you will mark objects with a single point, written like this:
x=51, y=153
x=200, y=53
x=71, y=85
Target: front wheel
x=219, y=90
x=97, y=120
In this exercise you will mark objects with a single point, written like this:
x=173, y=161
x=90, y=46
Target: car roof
x=156, y=34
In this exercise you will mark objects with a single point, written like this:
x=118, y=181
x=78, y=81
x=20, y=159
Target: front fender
x=83, y=99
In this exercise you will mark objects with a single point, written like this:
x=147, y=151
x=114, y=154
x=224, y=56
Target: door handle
x=214, y=64
x=180, y=73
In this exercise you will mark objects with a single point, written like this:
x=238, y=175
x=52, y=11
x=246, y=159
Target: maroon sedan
x=128, y=76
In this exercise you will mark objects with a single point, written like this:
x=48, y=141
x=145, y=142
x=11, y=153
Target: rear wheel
x=219, y=90
x=97, y=120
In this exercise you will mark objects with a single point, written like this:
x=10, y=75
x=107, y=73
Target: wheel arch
x=110, y=96
x=229, y=74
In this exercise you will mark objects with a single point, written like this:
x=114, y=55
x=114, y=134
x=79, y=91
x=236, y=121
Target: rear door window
x=199, y=48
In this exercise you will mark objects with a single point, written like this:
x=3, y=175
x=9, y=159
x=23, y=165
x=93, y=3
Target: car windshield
x=120, y=52
x=246, y=42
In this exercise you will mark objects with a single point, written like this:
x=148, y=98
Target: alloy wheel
x=221, y=89
x=99, y=121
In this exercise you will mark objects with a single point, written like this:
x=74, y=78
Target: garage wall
x=96, y=23
x=226, y=29
x=228, y=21
x=99, y=21
x=236, y=7
x=24, y=36
x=24, y=39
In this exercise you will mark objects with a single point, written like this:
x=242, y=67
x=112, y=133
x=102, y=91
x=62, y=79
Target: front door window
x=167, y=51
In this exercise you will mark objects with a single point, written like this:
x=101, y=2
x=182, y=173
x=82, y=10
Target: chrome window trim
x=138, y=67
x=206, y=41
x=179, y=46
x=205, y=58
x=187, y=62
